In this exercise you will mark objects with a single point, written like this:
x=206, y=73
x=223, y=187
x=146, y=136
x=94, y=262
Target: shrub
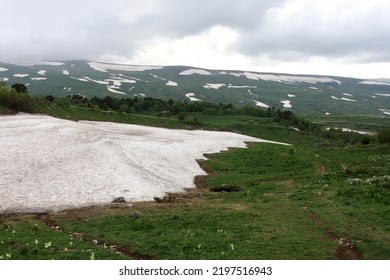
x=384, y=136
x=225, y=188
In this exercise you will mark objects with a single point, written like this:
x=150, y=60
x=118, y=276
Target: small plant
x=169, y=198
x=225, y=188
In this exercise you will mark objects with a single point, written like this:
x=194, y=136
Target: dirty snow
x=104, y=67
x=195, y=71
x=53, y=164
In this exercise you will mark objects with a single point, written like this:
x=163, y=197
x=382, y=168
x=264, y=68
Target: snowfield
x=49, y=164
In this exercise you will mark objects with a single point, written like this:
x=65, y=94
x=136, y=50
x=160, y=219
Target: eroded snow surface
x=52, y=164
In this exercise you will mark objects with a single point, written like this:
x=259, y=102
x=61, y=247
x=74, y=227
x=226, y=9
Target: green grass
x=294, y=202
x=33, y=239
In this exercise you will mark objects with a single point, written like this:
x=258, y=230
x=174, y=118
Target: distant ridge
x=313, y=95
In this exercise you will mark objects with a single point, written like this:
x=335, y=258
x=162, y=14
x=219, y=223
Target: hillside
x=304, y=94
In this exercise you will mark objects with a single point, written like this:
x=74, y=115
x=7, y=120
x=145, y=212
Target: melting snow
x=80, y=79
x=50, y=164
x=171, y=83
x=230, y=86
x=195, y=71
x=286, y=104
x=383, y=94
x=374, y=83
x=103, y=67
x=38, y=79
x=261, y=104
x=115, y=91
x=249, y=91
x=213, y=86
x=286, y=78
x=191, y=95
x=21, y=75
x=385, y=111
x=347, y=99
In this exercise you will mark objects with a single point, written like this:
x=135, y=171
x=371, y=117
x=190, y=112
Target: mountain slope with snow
x=304, y=94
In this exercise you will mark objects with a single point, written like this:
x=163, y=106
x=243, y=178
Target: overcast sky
x=327, y=37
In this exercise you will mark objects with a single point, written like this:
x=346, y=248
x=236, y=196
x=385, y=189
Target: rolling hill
x=309, y=95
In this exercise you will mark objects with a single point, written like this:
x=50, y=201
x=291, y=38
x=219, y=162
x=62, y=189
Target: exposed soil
x=346, y=249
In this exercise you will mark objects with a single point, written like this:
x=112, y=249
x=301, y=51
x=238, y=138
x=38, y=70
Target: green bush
x=384, y=136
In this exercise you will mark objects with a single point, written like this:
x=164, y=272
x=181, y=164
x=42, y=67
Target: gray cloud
x=285, y=30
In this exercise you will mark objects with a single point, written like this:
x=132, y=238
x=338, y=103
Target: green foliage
x=384, y=135
x=20, y=88
x=16, y=98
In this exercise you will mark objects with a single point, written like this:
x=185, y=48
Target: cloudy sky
x=328, y=37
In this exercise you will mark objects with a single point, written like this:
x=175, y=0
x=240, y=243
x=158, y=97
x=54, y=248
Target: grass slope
x=303, y=201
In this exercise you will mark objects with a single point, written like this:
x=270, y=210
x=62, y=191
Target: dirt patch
x=346, y=249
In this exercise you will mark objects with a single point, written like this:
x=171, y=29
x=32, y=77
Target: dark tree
x=20, y=88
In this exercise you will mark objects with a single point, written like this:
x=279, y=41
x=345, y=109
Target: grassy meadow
x=313, y=199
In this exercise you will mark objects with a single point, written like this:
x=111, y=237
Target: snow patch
x=374, y=83
x=347, y=99
x=191, y=97
x=231, y=86
x=81, y=79
x=249, y=91
x=291, y=95
x=171, y=84
x=38, y=79
x=287, y=79
x=336, y=98
x=347, y=94
x=65, y=72
x=213, y=86
x=42, y=72
x=3, y=69
x=261, y=104
x=385, y=111
x=54, y=164
x=104, y=67
x=21, y=75
x=383, y=94
x=195, y=71
x=286, y=104
x=115, y=91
